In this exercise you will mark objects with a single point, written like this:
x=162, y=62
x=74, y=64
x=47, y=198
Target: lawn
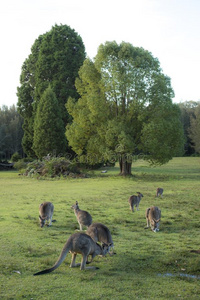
x=147, y=265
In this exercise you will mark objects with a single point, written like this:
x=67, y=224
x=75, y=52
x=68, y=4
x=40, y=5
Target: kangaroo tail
x=61, y=258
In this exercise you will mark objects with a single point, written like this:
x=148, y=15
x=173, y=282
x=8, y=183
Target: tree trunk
x=125, y=166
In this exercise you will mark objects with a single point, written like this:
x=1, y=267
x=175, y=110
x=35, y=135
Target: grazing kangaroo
x=135, y=201
x=46, y=213
x=100, y=233
x=153, y=216
x=159, y=192
x=78, y=243
x=83, y=217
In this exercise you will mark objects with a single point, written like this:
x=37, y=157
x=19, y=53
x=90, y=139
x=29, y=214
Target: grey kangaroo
x=46, y=213
x=83, y=217
x=100, y=233
x=159, y=192
x=153, y=216
x=135, y=201
x=78, y=243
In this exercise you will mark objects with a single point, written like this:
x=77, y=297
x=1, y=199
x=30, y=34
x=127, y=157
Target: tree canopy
x=125, y=108
x=55, y=59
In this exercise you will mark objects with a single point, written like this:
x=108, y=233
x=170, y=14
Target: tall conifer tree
x=55, y=58
x=49, y=133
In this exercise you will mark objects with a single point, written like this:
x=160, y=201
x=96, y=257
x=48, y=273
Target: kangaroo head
x=139, y=194
x=75, y=206
x=105, y=248
x=42, y=221
x=154, y=224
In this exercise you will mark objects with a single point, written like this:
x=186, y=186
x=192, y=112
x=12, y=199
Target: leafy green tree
x=49, y=132
x=124, y=109
x=55, y=58
x=194, y=131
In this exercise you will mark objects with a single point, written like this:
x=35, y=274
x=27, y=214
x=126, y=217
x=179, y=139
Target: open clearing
x=147, y=265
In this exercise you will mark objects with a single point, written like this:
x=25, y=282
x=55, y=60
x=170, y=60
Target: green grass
x=143, y=258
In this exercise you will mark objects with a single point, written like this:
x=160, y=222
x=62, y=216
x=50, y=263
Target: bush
x=15, y=157
x=20, y=164
x=52, y=167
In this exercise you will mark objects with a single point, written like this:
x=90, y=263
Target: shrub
x=15, y=157
x=52, y=167
x=20, y=165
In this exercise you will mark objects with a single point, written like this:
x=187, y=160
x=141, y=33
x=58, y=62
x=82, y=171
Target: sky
x=169, y=29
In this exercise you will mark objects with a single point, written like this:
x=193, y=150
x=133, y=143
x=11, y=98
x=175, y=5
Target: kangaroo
x=159, y=192
x=45, y=213
x=153, y=216
x=83, y=217
x=78, y=243
x=135, y=201
x=100, y=233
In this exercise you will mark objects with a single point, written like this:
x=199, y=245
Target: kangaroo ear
x=76, y=202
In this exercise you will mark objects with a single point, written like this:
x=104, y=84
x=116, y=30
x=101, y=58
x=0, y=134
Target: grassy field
x=147, y=265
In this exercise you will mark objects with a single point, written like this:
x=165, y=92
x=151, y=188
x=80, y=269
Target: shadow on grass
x=144, y=264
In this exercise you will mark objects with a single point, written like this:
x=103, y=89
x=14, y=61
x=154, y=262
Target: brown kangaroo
x=159, y=192
x=46, y=213
x=100, y=233
x=83, y=217
x=153, y=216
x=135, y=201
x=78, y=243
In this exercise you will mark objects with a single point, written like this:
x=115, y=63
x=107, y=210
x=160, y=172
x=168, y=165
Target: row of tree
x=11, y=132
x=116, y=106
x=190, y=118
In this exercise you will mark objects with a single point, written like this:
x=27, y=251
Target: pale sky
x=169, y=29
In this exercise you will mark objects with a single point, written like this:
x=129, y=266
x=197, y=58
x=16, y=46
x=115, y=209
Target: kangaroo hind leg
x=73, y=261
x=50, y=220
x=83, y=264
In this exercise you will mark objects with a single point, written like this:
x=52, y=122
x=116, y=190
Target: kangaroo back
x=159, y=192
x=100, y=233
x=83, y=217
x=153, y=216
x=155, y=213
x=46, y=213
x=135, y=201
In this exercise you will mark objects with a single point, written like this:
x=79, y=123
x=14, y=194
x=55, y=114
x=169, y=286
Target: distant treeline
x=190, y=118
x=11, y=133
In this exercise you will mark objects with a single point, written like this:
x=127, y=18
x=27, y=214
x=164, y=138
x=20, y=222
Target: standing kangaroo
x=159, y=192
x=100, y=233
x=46, y=213
x=83, y=217
x=153, y=216
x=78, y=243
x=135, y=201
